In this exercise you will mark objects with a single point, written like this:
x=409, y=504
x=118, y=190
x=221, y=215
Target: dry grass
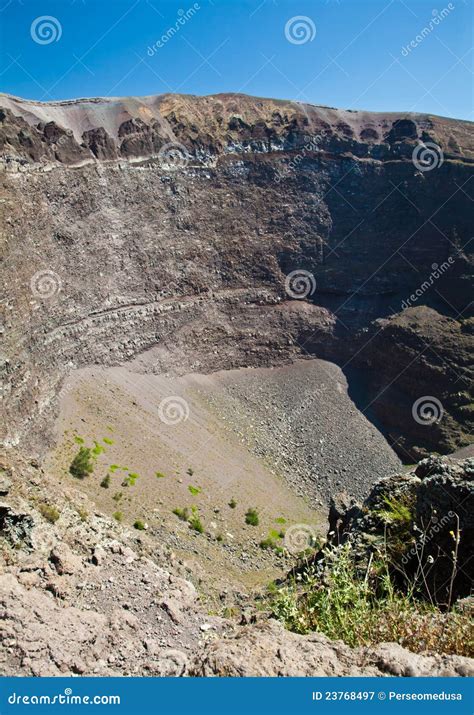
x=360, y=612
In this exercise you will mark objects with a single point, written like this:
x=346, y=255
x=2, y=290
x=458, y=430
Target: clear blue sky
x=354, y=59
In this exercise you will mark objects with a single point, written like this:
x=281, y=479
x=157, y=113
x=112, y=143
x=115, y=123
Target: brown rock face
x=172, y=221
x=267, y=650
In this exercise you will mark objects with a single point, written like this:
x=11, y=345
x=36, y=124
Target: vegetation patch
x=50, y=513
x=105, y=483
x=182, y=514
x=251, y=517
x=82, y=465
x=367, y=611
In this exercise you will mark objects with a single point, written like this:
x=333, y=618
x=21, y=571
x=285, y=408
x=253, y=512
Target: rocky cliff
x=173, y=222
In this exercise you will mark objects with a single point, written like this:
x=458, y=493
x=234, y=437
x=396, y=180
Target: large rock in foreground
x=269, y=650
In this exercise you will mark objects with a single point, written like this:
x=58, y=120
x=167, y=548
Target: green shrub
x=160, y=475
x=105, y=483
x=232, y=503
x=97, y=449
x=82, y=464
x=139, y=524
x=196, y=524
x=182, y=514
x=118, y=515
x=194, y=490
x=251, y=517
x=50, y=513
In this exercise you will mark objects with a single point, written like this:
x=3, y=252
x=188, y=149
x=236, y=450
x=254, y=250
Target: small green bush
x=182, y=514
x=196, y=524
x=194, y=490
x=160, y=475
x=139, y=524
x=50, y=513
x=105, y=483
x=251, y=517
x=118, y=515
x=232, y=503
x=82, y=464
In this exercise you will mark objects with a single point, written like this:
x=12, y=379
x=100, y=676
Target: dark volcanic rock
x=434, y=545
x=100, y=143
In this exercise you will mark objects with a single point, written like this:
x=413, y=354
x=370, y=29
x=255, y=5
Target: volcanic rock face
x=172, y=222
x=437, y=501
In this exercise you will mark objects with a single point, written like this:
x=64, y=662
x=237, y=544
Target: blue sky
x=352, y=55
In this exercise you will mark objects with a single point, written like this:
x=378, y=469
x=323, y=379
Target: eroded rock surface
x=267, y=650
x=188, y=252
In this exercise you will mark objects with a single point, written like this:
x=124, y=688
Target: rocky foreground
x=82, y=595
